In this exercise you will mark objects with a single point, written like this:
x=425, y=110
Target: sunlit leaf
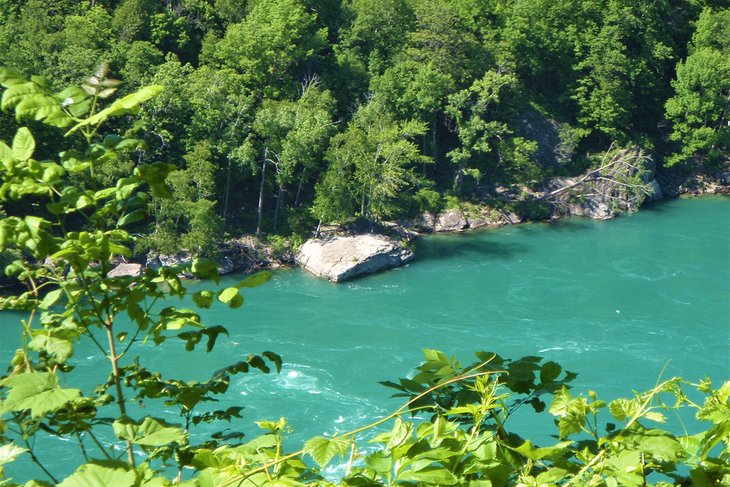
x=38, y=392
x=50, y=298
x=59, y=348
x=23, y=144
x=429, y=476
x=255, y=280
x=323, y=450
x=101, y=474
x=9, y=452
x=205, y=269
x=203, y=299
x=150, y=432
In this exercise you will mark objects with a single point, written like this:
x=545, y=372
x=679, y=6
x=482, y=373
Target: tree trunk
x=279, y=199
x=434, y=135
x=299, y=188
x=458, y=179
x=227, y=191
x=260, y=210
x=117, y=378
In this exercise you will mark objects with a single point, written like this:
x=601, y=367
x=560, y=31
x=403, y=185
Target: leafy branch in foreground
x=460, y=436
x=69, y=237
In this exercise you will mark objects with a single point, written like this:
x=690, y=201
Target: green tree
x=291, y=136
x=188, y=219
x=487, y=145
x=370, y=164
x=620, y=71
x=377, y=30
x=700, y=108
x=131, y=20
x=272, y=47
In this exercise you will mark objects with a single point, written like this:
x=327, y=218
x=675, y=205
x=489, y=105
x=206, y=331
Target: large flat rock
x=342, y=258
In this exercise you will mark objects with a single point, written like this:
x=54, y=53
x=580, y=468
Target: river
x=621, y=302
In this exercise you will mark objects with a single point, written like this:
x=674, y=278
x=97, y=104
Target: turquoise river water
x=620, y=302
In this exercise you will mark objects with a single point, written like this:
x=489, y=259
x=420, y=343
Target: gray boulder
x=126, y=270
x=342, y=258
x=452, y=220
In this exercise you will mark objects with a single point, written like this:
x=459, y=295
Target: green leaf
x=123, y=106
x=203, y=268
x=133, y=217
x=255, y=280
x=626, y=466
x=6, y=153
x=50, y=299
x=549, y=372
x=527, y=450
x=655, y=416
x=228, y=295
x=212, y=334
x=274, y=358
x=203, y=299
x=157, y=482
x=154, y=173
x=23, y=144
x=101, y=474
x=37, y=391
x=430, y=475
x=713, y=436
x=323, y=450
x=660, y=444
x=57, y=347
x=151, y=432
x=104, y=193
x=624, y=408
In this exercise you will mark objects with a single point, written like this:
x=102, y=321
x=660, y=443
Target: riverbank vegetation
x=280, y=113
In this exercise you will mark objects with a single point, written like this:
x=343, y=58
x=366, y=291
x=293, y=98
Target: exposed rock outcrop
x=163, y=260
x=342, y=258
x=126, y=270
x=676, y=181
x=621, y=183
x=452, y=220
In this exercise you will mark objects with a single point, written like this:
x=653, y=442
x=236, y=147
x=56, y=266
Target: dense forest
x=280, y=113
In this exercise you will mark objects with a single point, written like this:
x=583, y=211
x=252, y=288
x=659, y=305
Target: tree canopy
x=502, y=94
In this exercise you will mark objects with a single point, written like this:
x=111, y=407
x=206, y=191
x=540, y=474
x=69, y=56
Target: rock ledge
x=342, y=258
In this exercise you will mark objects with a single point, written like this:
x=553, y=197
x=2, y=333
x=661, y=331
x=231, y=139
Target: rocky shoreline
x=344, y=253
x=341, y=253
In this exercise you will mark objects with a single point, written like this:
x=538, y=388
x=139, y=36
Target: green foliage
x=188, y=219
x=470, y=71
x=370, y=164
x=377, y=31
x=229, y=93
x=453, y=429
x=461, y=435
x=68, y=243
x=699, y=109
x=272, y=45
x=428, y=200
